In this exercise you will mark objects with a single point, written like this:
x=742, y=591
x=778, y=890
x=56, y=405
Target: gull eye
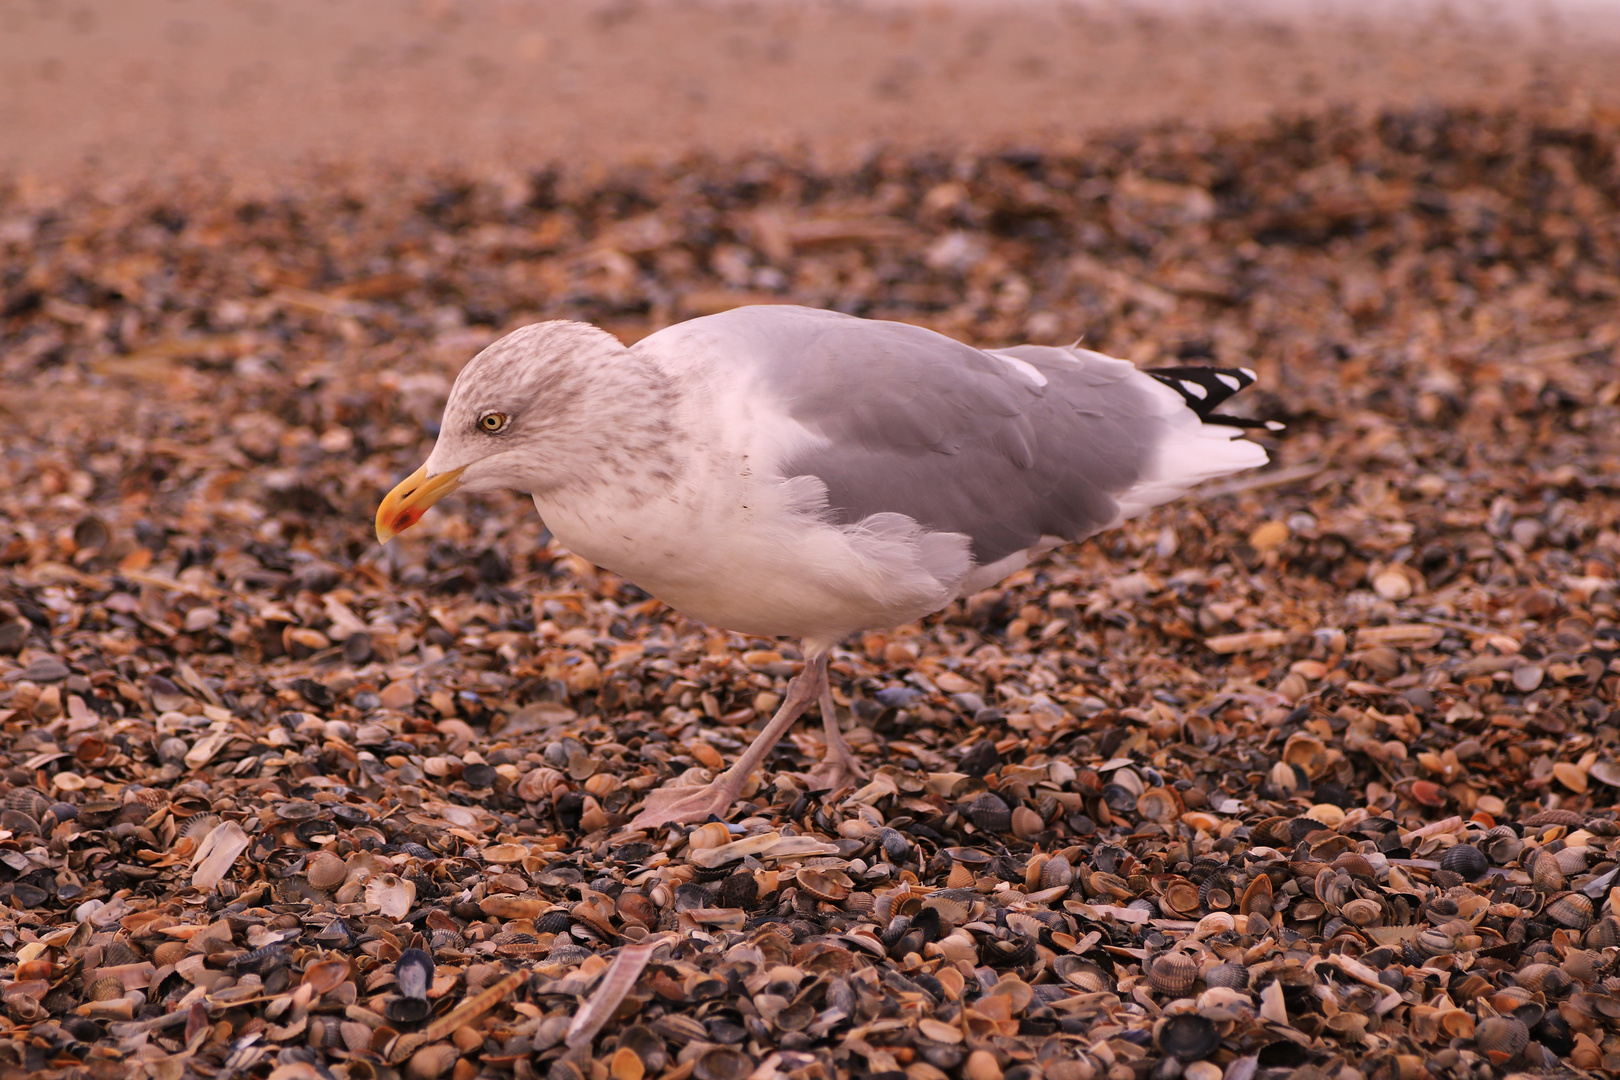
x=492, y=422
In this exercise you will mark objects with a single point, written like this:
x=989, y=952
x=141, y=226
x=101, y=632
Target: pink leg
x=665, y=806
x=839, y=766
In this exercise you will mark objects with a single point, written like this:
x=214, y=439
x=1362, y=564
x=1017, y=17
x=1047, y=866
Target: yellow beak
x=405, y=505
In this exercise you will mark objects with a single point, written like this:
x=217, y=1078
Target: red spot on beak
x=406, y=518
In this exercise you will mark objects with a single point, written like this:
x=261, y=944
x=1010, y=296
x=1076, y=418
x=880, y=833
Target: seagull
x=782, y=471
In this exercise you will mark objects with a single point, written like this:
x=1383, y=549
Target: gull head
x=515, y=419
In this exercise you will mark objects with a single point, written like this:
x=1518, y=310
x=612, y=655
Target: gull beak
x=405, y=505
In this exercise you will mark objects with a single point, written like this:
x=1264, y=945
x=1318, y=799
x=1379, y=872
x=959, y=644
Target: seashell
x=505, y=906
x=1256, y=899
x=1604, y=934
x=555, y=921
x=198, y=826
x=723, y=1063
x=1187, y=1036
x=1027, y=925
x=165, y=953
x=109, y=988
x=391, y=894
x=432, y=1061
x=27, y=801
x=1584, y=965
x=1026, y=822
x=120, y=952
x=960, y=877
x=968, y=855
x=1056, y=872
x=1543, y=979
x=952, y=910
x=1501, y=1038
x=1215, y=893
x=324, y=870
x=625, y=1064
x=1180, y=898
x=1571, y=860
x=712, y=835
x=326, y=974
x=635, y=907
x=1465, y=860
x=324, y=1033
x=825, y=884
x=1078, y=971
x=647, y=1046
x=1015, y=951
x=1172, y=974
x=444, y=941
x=1355, y=864
x=1567, y=818
x=1158, y=804
x=1362, y=912
x=1571, y=910
x=1232, y=975
x=1436, y=942
x=1545, y=873
x=990, y=813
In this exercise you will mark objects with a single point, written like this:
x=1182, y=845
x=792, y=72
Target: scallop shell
x=1604, y=934
x=960, y=877
x=1232, y=975
x=1172, y=974
x=1571, y=860
x=991, y=813
x=165, y=953
x=324, y=870
x=1465, y=860
x=198, y=826
x=120, y=952
x=1057, y=871
x=1572, y=910
x=825, y=884
x=1543, y=979
x=1501, y=1038
x=1546, y=874
x=1179, y=898
x=27, y=801
x=109, y=988
x=1078, y=971
x=432, y=1061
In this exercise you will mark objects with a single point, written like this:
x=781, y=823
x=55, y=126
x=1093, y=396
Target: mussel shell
x=413, y=973
x=407, y=1010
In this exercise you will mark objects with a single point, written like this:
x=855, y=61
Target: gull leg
x=666, y=806
x=840, y=765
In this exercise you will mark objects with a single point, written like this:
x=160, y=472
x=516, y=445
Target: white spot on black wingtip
x=1275, y=425
x=1250, y=373
x=1193, y=388
x=1235, y=383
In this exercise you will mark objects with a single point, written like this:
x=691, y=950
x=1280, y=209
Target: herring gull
x=784, y=471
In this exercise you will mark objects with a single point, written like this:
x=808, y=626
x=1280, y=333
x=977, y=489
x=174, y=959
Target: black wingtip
x=1206, y=389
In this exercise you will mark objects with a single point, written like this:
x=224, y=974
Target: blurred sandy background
x=263, y=86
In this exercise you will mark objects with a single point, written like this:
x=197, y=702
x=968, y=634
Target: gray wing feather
x=922, y=425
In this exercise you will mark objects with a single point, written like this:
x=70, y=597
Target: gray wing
x=952, y=436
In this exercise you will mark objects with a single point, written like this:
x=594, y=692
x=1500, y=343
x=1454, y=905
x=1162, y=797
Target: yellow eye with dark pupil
x=494, y=421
